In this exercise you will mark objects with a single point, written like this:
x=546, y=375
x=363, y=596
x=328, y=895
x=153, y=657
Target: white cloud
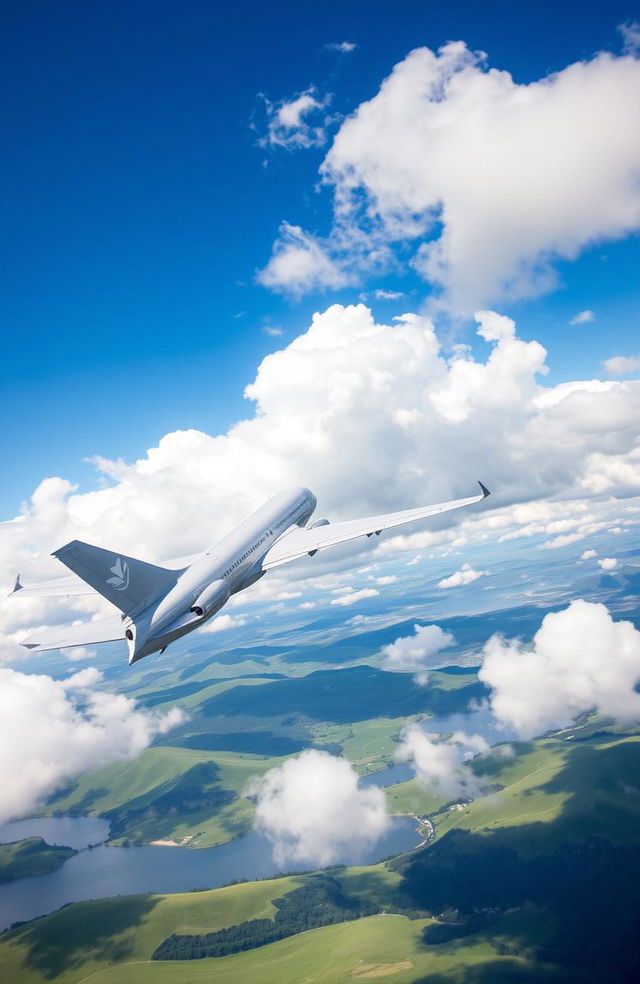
x=345, y=47
x=222, y=622
x=351, y=597
x=415, y=653
x=326, y=416
x=551, y=397
x=82, y=680
x=583, y=318
x=588, y=554
x=608, y=563
x=297, y=123
x=300, y=263
x=630, y=36
x=491, y=180
x=53, y=730
x=79, y=653
x=387, y=295
x=441, y=766
x=466, y=575
x=274, y=331
x=313, y=809
x=580, y=659
x=387, y=579
x=621, y=365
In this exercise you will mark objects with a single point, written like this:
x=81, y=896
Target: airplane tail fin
x=124, y=581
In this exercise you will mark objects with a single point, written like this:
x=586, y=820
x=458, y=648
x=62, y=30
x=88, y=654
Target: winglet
x=17, y=586
x=485, y=490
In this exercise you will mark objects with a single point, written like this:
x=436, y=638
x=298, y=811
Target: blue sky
x=137, y=207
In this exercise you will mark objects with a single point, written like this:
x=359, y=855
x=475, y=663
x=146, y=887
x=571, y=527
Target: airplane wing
x=298, y=542
x=59, y=587
x=83, y=634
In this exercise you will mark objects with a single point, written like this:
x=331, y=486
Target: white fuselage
x=231, y=564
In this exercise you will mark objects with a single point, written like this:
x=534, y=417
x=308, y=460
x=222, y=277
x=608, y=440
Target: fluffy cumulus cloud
x=373, y=417
x=301, y=262
x=52, y=730
x=297, y=123
x=451, y=155
x=442, y=766
x=622, y=365
x=466, y=575
x=314, y=810
x=580, y=659
x=352, y=597
x=222, y=623
x=417, y=652
x=608, y=563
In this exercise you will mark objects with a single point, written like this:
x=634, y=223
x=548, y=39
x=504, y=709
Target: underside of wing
x=298, y=542
x=84, y=634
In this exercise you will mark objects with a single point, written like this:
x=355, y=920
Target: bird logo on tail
x=120, y=570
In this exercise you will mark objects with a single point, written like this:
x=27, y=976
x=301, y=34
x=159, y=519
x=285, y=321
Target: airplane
x=160, y=604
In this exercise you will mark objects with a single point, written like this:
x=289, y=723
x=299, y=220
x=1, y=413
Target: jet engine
x=211, y=599
x=318, y=522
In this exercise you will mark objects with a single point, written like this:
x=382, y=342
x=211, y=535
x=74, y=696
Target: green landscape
x=191, y=791
x=30, y=856
x=506, y=890
x=532, y=880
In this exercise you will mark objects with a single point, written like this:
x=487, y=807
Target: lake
x=75, y=832
x=480, y=722
x=102, y=871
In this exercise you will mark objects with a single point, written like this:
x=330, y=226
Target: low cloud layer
x=442, y=766
x=314, y=811
x=53, y=730
x=608, y=563
x=416, y=653
x=352, y=597
x=451, y=155
x=580, y=659
x=466, y=575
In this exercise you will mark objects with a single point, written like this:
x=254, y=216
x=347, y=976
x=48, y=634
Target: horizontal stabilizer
x=124, y=581
x=85, y=634
x=60, y=587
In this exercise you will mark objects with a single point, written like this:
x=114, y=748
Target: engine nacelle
x=318, y=522
x=214, y=596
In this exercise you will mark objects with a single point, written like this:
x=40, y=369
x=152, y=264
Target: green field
x=557, y=788
x=84, y=938
x=163, y=795
x=553, y=793
x=191, y=790
x=112, y=941
x=31, y=856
